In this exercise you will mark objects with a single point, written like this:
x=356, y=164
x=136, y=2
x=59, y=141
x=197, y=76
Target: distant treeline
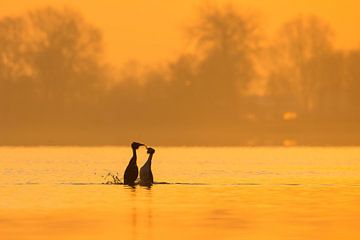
x=236, y=87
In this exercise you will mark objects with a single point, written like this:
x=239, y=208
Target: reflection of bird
x=146, y=176
x=131, y=172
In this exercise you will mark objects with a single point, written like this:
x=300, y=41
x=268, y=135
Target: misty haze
x=238, y=87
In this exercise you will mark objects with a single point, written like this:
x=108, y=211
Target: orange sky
x=152, y=30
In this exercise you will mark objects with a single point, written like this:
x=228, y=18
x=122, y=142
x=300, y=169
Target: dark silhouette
x=146, y=176
x=131, y=172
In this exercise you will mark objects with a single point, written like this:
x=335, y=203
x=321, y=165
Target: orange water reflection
x=179, y=212
x=321, y=204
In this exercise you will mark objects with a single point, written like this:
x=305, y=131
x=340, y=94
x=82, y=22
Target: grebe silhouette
x=131, y=172
x=146, y=176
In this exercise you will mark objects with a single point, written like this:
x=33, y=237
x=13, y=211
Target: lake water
x=213, y=193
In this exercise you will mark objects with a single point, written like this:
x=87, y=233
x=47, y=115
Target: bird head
x=136, y=145
x=150, y=150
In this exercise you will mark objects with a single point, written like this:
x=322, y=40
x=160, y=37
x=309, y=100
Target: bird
x=131, y=171
x=146, y=176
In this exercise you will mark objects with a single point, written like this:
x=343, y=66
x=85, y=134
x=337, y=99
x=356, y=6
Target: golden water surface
x=212, y=193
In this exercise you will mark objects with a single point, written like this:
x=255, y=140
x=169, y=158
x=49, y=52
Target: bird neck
x=149, y=159
x=133, y=159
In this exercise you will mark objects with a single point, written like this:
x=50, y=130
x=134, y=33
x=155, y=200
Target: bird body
x=146, y=176
x=132, y=171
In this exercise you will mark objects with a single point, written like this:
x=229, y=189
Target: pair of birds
x=131, y=172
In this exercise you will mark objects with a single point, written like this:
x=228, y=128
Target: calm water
x=214, y=193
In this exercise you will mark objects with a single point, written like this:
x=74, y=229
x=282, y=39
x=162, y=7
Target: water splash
x=112, y=178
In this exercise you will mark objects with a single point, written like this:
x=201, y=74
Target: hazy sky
x=152, y=30
x=228, y=94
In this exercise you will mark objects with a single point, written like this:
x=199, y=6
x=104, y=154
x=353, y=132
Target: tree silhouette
x=304, y=50
x=210, y=82
x=56, y=89
x=50, y=69
x=353, y=81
